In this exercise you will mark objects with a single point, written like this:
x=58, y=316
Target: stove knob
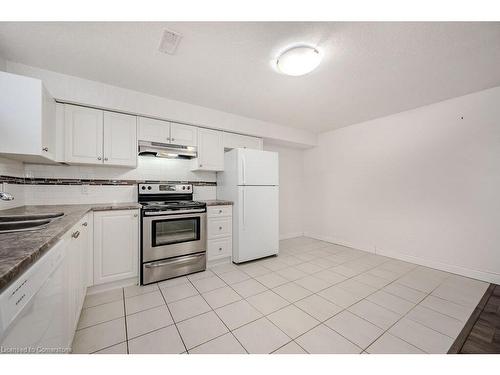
x=143, y=188
x=183, y=188
x=189, y=187
x=149, y=187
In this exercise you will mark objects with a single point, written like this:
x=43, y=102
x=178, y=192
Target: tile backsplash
x=11, y=168
x=147, y=169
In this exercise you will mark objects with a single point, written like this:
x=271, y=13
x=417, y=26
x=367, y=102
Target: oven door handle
x=165, y=213
x=174, y=261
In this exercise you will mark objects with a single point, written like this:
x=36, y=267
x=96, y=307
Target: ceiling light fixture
x=297, y=61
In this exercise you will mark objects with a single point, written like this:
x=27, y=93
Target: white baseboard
x=291, y=235
x=216, y=262
x=342, y=242
x=459, y=270
x=113, y=285
x=463, y=271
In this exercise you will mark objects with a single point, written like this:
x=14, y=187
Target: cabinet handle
x=20, y=299
x=105, y=159
x=220, y=228
x=220, y=211
x=99, y=158
x=45, y=149
x=220, y=248
x=201, y=165
x=76, y=234
x=173, y=139
x=19, y=287
x=85, y=224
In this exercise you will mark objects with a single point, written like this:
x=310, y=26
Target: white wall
x=3, y=64
x=82, y=91
x=291, y=169
x=422, y=185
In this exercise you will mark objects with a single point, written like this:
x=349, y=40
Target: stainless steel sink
x=30, y=217
x=18, y=226
x=25, y=222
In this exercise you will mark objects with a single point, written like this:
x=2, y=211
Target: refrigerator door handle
x=243, y=208
x=243, y=168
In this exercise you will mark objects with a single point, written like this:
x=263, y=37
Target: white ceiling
x=369, y=70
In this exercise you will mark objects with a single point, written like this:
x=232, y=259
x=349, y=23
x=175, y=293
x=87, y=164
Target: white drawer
x=219, y=211
x=219, y=248
x=220, y=227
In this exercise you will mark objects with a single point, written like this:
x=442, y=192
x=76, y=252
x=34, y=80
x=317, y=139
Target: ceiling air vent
x=169, y=41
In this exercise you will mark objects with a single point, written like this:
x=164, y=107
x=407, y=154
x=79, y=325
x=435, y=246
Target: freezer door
x=258, y=223
x=257, y=167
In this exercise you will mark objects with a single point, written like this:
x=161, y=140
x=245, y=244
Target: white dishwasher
x=33, y=308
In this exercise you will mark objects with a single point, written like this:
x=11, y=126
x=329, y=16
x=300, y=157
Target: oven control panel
x=165, y=188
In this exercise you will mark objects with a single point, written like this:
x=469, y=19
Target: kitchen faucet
x=6, y=196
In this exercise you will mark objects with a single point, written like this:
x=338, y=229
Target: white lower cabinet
x=78, y=254
x=42, y=307
x=116, y=245
x=220, y=240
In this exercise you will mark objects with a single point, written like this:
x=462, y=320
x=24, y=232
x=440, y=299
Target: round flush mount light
x=297, y=61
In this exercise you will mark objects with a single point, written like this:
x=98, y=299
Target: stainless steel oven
x=174, y=232
x=166, y=236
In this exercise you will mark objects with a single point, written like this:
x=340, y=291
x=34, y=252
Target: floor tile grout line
x=177, y=328
x=215, y=312
x=403, y=316
x=433, y=309
x=125, y=312
x=331, y=269
x=107, y=347
x=346, y=309
x=103, y=303
x=153, y=330
x=263, y=316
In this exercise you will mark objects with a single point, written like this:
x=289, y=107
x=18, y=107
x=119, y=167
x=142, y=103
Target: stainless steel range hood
x=164, y=150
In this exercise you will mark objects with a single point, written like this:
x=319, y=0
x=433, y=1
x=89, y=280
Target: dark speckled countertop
x=19, y=250
x=217, y=202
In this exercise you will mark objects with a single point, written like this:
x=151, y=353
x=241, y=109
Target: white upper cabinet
x=27, y=119
x=184, y=135
x=120, y=139
x=232, y=140
x=153, y=130
x=84, y=134
x=93, y=136
x=160, y=131
x=210, y=151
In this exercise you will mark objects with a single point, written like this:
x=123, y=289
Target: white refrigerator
x=251, y=180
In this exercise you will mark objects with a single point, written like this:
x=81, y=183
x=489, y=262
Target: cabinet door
x=152, y=130
x=84, y=127
x=184, y=135
x=88, y=250
x=74, y=278
x=120, y=139
x=210, y=150
x=116, y=245
x=232, y=140
x=48, y=125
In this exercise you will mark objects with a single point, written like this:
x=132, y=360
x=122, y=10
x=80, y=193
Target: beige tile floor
x=315, y=297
